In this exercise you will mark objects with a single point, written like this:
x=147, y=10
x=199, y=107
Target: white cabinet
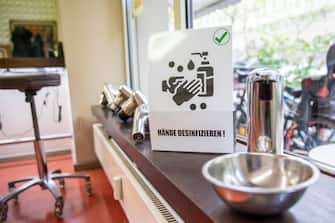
x=139, y=200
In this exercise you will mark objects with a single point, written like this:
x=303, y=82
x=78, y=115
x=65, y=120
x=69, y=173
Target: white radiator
x=139, y=200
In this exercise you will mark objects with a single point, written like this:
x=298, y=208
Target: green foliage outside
x=292, y=36
x=300, y=57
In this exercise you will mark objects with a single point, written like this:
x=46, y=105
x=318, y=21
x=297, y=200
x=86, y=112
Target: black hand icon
x=186, y=91
x=171, y=84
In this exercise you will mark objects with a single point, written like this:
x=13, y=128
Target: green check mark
x=219, y=39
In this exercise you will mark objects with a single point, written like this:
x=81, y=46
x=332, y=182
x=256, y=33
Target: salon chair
x=30, y=84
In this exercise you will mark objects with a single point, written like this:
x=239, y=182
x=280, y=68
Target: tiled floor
x=36, y=205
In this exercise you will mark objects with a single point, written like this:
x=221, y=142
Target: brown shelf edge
x=25, y=62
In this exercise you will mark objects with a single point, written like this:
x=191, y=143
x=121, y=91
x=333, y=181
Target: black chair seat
x=30, y=82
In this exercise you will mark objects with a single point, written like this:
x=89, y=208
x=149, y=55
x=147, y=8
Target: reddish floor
x=36, y=205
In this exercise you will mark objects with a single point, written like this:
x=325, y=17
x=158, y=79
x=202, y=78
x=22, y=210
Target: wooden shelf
x=177, y=177
x=24, y=62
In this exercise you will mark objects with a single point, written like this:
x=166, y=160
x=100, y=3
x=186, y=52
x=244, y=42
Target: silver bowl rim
x=261, y=190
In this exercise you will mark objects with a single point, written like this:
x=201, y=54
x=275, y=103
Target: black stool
x=30, y=84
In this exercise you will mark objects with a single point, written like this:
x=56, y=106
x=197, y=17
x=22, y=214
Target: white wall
x=94, y=54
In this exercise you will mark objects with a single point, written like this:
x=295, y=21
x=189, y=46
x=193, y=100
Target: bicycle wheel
x=318, y=133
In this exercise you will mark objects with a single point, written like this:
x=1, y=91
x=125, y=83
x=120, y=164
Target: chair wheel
x=12, y=187
x=61, y=183
x=59, y=207
x=3, y=212
x=89, y=188
x=56, y=171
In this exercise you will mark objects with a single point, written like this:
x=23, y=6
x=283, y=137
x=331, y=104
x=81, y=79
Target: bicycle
x=311, y=121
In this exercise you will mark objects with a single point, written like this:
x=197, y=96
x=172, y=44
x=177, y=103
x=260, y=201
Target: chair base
x=46, y=182
x=45, y=179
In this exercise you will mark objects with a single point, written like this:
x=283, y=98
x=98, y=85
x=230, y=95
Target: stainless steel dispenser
x=123, y=94
x=129, y=106
x=265, y=111
x=108, y=95
x=140, y=123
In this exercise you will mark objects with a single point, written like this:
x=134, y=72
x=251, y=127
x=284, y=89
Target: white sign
x=190, y=91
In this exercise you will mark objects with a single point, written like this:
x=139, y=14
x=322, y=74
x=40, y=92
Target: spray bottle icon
x=205, y=73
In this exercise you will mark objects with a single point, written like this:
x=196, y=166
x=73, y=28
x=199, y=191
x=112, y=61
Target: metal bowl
x=259, y=183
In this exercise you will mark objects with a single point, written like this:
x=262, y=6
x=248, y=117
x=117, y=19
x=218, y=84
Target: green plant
x=298, y=57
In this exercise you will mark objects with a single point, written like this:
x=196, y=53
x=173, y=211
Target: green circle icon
x=221, y=36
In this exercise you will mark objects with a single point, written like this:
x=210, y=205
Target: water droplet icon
x=190, y=65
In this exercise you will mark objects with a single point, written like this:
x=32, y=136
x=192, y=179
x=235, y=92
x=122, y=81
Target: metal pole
x=39, y=153
x=189, y=14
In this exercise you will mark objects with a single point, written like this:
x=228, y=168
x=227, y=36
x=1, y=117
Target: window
x=293, y=36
